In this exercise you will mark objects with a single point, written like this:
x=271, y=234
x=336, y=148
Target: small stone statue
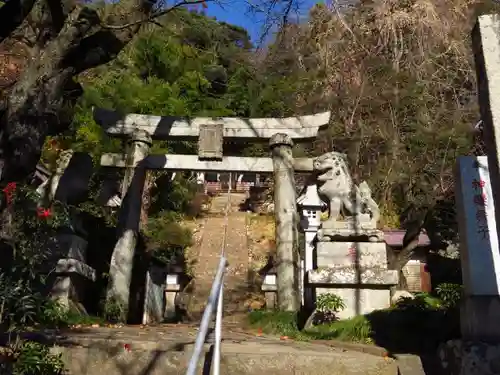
x=360, y=211
x=368, y=205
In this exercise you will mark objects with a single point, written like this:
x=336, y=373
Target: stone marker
x=479, y=249
x=486, y=46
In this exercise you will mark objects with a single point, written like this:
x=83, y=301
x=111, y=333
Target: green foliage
x=275, y=322
x=30, y=252
x=167, y=238
x=32, y=358
x=357, y=329
x=52, y=314
x=450, y=294
x=420, y=301
x=114, y=311
x=411, y=325
x=329, y=302
x=327, y=307
x=26, y=230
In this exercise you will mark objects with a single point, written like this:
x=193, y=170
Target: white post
x=479, y=249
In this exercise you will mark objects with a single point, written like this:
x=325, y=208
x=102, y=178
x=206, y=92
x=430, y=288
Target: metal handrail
x=216, y=294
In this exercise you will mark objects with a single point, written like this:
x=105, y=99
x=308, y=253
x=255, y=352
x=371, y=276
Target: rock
x=400, y=294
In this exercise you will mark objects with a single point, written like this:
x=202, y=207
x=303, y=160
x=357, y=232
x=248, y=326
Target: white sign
x=479, y=250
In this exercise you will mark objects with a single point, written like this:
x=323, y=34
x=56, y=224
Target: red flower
x=11, y=186
x=126, y=347
x=43, y=212
x=9, y=191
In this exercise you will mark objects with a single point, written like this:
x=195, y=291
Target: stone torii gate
x=140, y=130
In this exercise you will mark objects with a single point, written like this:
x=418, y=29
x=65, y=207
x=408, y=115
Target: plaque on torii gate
x=210, y=142
x=281, y=133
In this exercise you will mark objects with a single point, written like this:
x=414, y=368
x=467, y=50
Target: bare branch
x=276, y=13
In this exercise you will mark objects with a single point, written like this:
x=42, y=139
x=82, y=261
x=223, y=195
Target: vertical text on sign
x=478, y=235
x=480, y=201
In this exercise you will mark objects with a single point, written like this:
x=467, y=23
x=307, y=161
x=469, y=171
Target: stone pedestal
x=355, y=271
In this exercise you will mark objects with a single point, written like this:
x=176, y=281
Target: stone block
x=349, y=275
x=370, y=254
x=359, y=301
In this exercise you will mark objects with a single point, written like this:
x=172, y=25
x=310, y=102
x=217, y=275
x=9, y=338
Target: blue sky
x=236, y=13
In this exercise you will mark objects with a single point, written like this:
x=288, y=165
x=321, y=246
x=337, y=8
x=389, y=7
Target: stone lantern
x=310, y=205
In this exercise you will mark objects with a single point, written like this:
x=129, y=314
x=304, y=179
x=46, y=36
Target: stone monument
x=351, y=257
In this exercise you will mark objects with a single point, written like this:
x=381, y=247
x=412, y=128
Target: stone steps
x=251, y=357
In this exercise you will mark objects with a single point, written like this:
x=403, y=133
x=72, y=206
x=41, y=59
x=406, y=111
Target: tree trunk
x=397, y=260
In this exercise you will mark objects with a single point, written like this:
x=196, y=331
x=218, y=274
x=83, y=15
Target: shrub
x=357, y=329
x=166, y=237
x=195, y=207
x=450, y=294
x=30, y=252
x=31, y=358
x=327, y=307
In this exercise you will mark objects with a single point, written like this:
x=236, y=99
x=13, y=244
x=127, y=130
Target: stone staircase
x=208, y=256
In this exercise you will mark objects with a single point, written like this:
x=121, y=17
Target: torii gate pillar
x=285, y=211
